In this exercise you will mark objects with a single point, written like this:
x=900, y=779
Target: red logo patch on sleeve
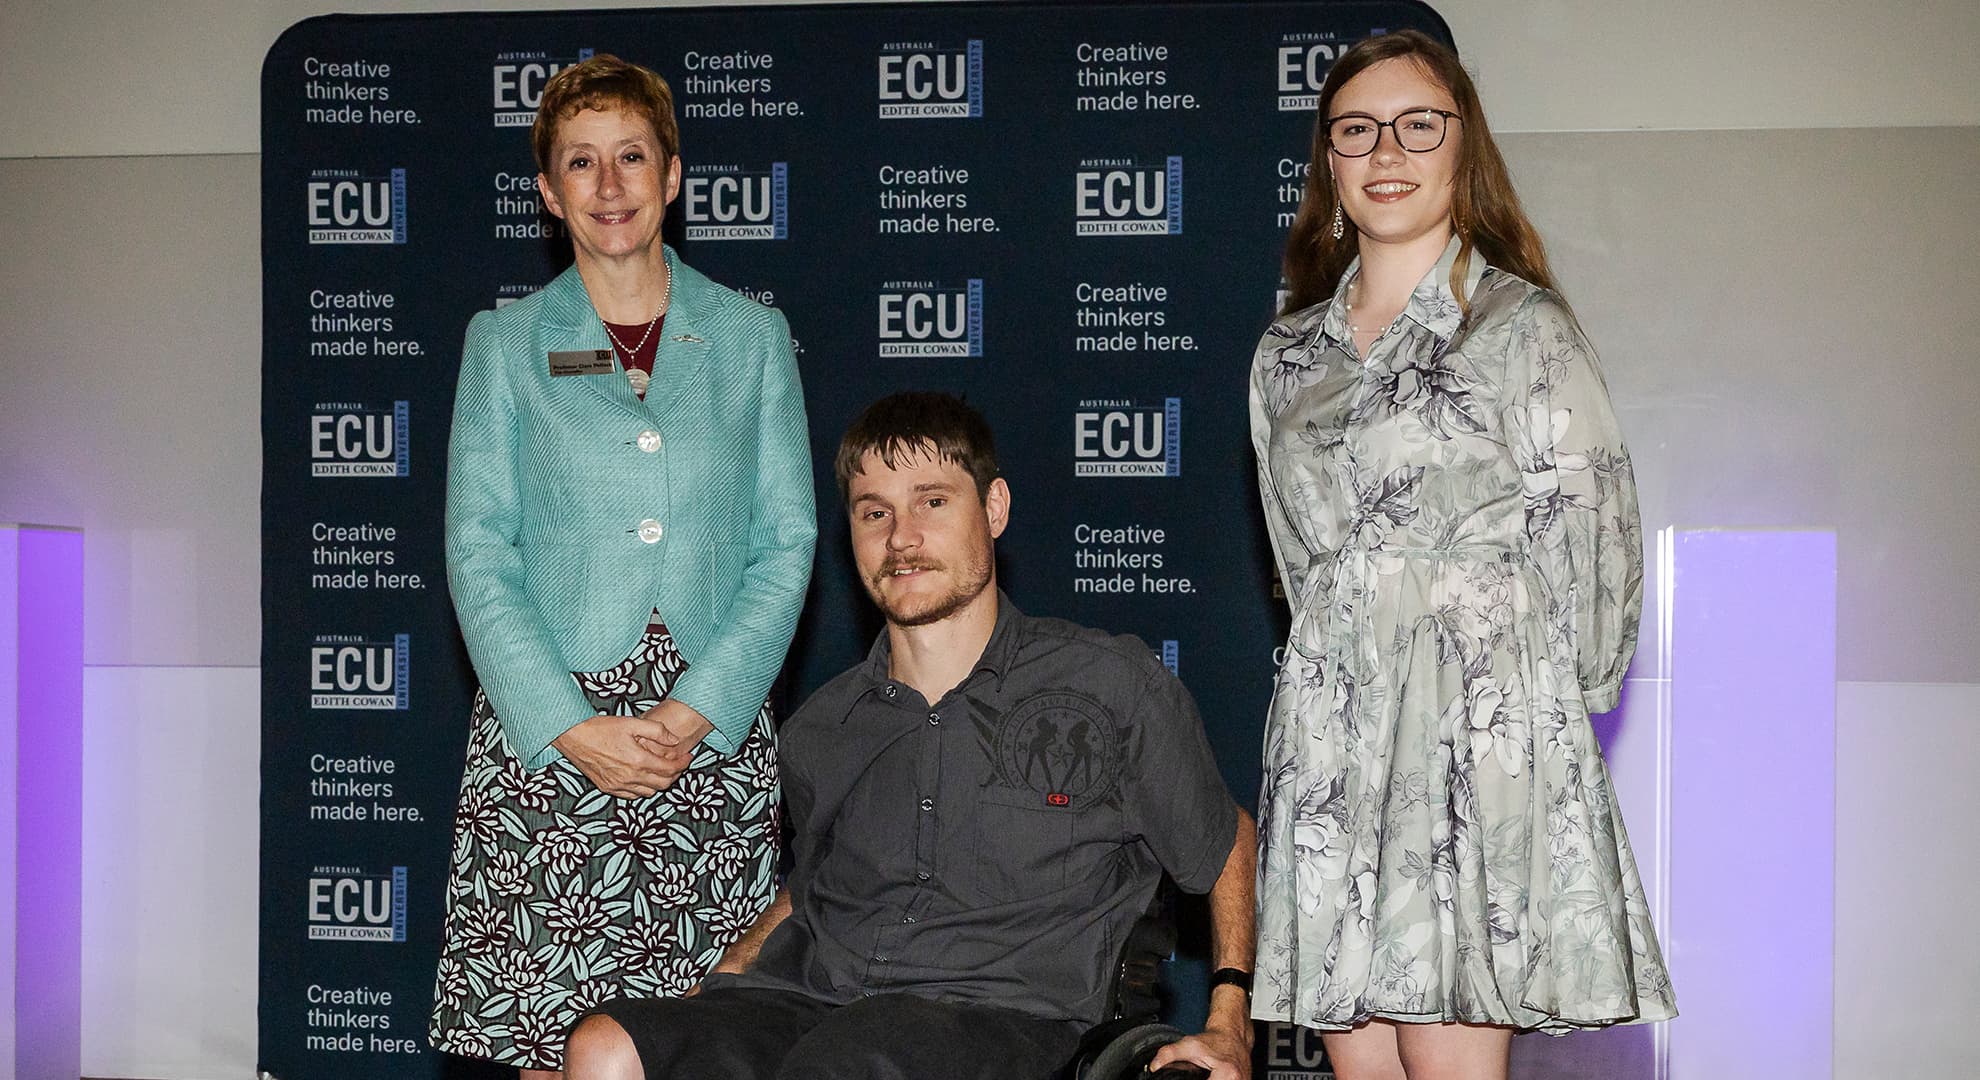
x=1059, y=798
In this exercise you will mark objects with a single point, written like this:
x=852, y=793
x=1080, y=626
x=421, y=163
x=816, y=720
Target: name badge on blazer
x=582, y=362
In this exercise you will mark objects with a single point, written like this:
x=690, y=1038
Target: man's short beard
x=968, y=588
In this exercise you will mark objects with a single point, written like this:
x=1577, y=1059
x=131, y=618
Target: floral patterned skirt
x=561, y=897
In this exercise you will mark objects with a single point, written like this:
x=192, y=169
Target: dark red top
x=630, y=335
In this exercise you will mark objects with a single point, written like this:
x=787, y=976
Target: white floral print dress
x=1456, y=528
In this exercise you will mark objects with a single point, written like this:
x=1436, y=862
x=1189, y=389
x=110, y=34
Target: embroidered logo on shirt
x=1060, y=744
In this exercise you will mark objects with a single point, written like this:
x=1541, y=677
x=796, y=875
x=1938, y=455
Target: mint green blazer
x=565, y=528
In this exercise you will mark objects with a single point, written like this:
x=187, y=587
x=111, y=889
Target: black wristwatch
x=1231, y=977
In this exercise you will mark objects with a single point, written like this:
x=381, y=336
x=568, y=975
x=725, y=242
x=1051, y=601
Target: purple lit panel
x=46, y=632
x=10, y=550
x=1751, y=876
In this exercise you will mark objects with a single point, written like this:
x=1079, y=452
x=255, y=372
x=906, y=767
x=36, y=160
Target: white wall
x=1906, y=992
x=129, y=350
x=171, y=883
x=130, y=406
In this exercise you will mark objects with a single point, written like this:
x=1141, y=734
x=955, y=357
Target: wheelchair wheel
x=1127, y=1055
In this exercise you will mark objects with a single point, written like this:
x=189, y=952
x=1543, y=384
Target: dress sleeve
x=1581, y=516
x=1288, y=553
x=728, y=682
x=515, y=657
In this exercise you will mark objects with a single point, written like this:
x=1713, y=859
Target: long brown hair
x=1484, y=207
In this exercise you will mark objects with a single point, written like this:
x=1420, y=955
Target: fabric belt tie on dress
x=1357, y=565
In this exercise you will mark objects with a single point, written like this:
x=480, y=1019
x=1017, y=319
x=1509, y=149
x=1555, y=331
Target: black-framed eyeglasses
x=1418, y=131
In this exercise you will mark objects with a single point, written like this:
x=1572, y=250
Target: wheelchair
x=1119, y=1047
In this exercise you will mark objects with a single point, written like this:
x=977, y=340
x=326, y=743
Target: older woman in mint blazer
x=574, y=509
x=629, y=536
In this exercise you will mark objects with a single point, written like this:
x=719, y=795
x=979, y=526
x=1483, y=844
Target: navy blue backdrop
x=1070, y=213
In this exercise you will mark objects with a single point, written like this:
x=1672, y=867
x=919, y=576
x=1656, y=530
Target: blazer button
x=649, y=441
x=649, y=531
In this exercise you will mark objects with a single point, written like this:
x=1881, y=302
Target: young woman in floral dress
x=1442, y=860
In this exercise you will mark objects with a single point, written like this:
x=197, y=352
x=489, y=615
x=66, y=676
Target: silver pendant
x=638, y=379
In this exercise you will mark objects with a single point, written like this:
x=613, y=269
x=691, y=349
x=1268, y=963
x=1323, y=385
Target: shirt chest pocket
x=1024, y=845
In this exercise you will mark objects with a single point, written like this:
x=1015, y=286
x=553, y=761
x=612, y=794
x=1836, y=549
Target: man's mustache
x=894, y=566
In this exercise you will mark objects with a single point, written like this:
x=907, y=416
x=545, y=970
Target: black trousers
x=748, y=1033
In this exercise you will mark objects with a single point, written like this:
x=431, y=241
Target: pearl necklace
x=639, y=379
x=1348, y=302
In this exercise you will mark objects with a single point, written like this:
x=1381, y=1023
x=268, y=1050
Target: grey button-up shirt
x=997, y=845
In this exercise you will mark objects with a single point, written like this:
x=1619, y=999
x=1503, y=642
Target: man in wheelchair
x=980, y=813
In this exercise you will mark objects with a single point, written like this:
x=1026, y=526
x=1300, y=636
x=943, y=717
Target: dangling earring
x=1340, y=227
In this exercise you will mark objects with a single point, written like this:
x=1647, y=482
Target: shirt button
x=649, y=441
x=928, y=804
x=649, y=531
x=921, y=875
x=879, y=959
x=893, y=691
x=907, y=918
x=935, y=719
